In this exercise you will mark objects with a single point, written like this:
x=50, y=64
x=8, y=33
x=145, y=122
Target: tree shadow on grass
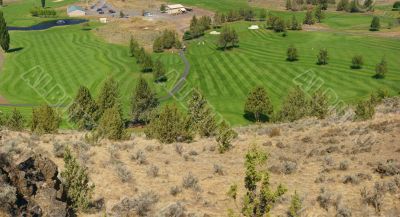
x=376, y=76
x=12, y=50
x=250, y=117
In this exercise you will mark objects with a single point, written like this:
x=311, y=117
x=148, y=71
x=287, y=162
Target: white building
x=175, y=9
x=75, y=11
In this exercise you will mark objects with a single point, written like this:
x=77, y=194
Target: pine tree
x=45, y=120
x=140, y=56
x=108, y=97
x=159, y=72
x=83, y=110
x=144, y=102
x=322, y=57
x=258, y=105
x=217, y=20
x=225, y=135
x=292, y=54
x=288, y=4
x=4, y=36
x=343, y=5
x=200, y=115
x=319, y=14
x=133, y=47
x=259, y=198
x=147, y=64
x=15, y=121
x=295, y=205
x=375, y=24
x=381, y=69
x=319, y=105
x=111, y=124
x=295, y=25
x=357, y=62
x=169, y=126
x=309, y=19
x=295, y=106
x=228, y=38
x=75, y=179
x=43, y=2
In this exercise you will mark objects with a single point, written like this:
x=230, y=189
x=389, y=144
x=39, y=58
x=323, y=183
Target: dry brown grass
x=318, y=164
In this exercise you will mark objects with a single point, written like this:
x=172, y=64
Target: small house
x=75, y=11
x=175, y=9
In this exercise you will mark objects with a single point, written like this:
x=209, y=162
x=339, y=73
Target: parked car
x=99, y=9
x=147, y=14
x=101, y=12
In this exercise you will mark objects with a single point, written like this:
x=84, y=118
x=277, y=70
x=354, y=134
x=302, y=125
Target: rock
x=46, y=198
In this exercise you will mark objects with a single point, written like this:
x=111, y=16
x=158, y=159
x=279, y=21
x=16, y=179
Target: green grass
x=18, y=13
x=70, y=56
x=227, y=77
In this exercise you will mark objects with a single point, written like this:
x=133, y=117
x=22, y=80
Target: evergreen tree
x=322, y=57
x=83, y=110
x=288, y=4
x=4, y=36
x=292, y=54
x=147, y=64
x=295, y=106
x=259, y=198
x=1, y=2
x=225, y=135
x=295, y=25
x=15, y=122
x=217, y=21
x=140, y=56
x=111, y=124
x=45, y=120
x=133, y=47
x=144, y=102
x=43, y=2
x=200, y=115
x=263, y=15
x=159, y=72
x=169, y=126
x=365, y=109
x=75, y=179
x=375, y=24
x=279, y=25
x=295, y=206
x=343, y=5
x=381, y=69
x=357, y=62
x=323, y=4
x=108, y=97
x=319, y=105
x=258, y=105
x=354, y=8
x=368, y=3
x=319, y=14
x=309, y=19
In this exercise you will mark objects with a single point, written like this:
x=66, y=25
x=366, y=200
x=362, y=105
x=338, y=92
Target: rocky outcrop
x=39, y=191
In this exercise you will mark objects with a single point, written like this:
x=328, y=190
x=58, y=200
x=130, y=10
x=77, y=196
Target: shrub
x=144, y=203
x=218, y=169
x=375, y=24
x=325, y=198
x=292, y=54
x=396, y=6
x=190, y=181
x=8, y=194
x=381, y=69
x=309, y=18
x=152, y=171
x=45, y=120
x=123, y=173
x=58, y=149
x=374, y=197
x=15, y=121
x=357, y=62
x=76, y=181
x=43, y=12
x=365, y=110
x=318, y=13
x=111, y=125
x=225, y=135
x=319, y=105
x=140, y=157
x=258, y=106
x=175, y=190
x=279, y=25
x=275, y=132
x=167, y=40
x=322, y=57
x=343, y=5
x=232, y=192
x=295, y=206
x=170, y=125
x=344, y=165
x=173, y=210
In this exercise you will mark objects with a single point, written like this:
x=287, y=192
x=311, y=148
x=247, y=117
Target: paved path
x=182, y=79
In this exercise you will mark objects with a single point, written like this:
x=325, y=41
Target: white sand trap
x=58, y=0
x=252, y=27
x=215, y=33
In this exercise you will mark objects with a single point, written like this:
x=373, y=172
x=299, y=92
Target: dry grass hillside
x=343, y=158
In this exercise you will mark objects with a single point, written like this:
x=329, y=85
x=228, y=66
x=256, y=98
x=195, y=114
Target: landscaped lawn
x=227, y=77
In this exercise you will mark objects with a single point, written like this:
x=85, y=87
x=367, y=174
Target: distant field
x=18, y=13
x=227, y=77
